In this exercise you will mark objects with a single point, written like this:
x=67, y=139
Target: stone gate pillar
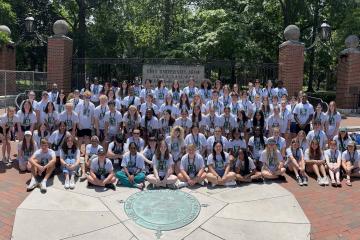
x=348, y=76
x=59, y=59
x=7, y=62
x=291, y=60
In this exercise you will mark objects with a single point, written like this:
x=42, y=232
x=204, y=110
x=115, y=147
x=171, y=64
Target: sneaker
x=213, y=185
x=67, y=183
x=172, y=186
x=89, y=184
x=320, y=181
x=282, y=178
x=325, y=180
x=78, y=172
x=43, y=187
x=305, y=180
x=83, y=178
x=72, y=182
x=299, y=180
x=338, y=183
x=231, y=183
x=333, y=183
x=180, y=184
x=110, y=186
x=33, y=184
x=202, y=183
x=140, y=186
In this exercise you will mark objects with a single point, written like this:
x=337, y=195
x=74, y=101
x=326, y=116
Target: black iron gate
x=107, y=69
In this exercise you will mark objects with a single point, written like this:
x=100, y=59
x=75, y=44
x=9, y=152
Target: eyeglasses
x=136, y=133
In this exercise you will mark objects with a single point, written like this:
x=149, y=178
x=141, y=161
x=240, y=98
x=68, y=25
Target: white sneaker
x=180, y=184
x=43, y=187
x=231, y=183
x=72, y=182
x=33, y=183
x=67, y=183
x=326, y=180
x=320, y=181
x=202, y=183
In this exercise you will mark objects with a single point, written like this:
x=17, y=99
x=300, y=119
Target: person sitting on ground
x=140, y=143
x=295, y=162
x=317, y=134
x=101, y=171
x=25, y=150
x=70, y=160
x=219, y=167
x=315, y=162
x=245, y=168
x=192, y=168
x=133, y=167
x=351, y=162
x=176, y=146
x=273, y=163
x=90, y=151
x=333, y=161
x=116, y=148
x=42, y=164
x=163, y=167
x=342, y=139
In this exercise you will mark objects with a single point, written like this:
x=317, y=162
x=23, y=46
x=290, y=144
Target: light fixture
x=325, y=31
x=29, y=24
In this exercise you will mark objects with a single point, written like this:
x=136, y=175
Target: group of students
x=175, y=137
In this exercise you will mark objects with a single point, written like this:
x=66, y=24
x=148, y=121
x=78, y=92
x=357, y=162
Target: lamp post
x=323, y=36
x=29, y=24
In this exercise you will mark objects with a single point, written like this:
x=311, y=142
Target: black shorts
x=84, y=132
x=306, y=130
x=101, y=135
x=4, y=132
x=25, y=128
x=99, y=176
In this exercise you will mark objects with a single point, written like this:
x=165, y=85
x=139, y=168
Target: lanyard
x=197, y=139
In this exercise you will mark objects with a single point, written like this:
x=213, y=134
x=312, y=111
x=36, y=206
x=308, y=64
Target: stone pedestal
x=291, y=66
x=59, y=62
x=7, y=62
x=348, y=79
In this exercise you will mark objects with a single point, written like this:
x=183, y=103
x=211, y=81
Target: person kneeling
x=192, y=168
x=163, y=164
x=101, y=171
x=133, y=168
x=42, y=163
x=245, y=168
x=273, y=164
x=219, y=167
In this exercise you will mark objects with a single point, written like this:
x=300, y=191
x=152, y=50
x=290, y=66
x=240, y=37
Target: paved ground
x=333, y=213
x=255, y=211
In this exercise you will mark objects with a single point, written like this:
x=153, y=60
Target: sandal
x=348, y=182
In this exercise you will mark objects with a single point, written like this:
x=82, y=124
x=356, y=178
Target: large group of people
x=174, y=137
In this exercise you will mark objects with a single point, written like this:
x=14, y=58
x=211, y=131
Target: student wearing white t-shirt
x=317, y=134
x=27, y=119
x=42, y=164
x=146, y=91
x=295, y=162
x=131, y=119
x=70, y=118
x=256, y=146
x=351, y=162
x=99, y=117
x=211, y=121
x=332, y=123
x=149, y=124
x=197, y=138
x=303, y=114
x=70, y=160
x=227, y=121
x=219, y=171
x=7, y=132
x=51, y=117
x=95, y=89
x=192, y=168
x=215, y=103
x=25, y=150
x=320, y=116
x=160, y=92
x=132, y=173
x=57, y=138
x=333, y=161
x=217, y=137
x=131, y=99
x=315, y=162
x=184, y=121
x=113, y=122
x=169, y=105
x=245, y=168
x=342, y=139
x=176, y=145
x=140, y=143
x=190, y=90
x=273, y=163
x=149, y=104
x=236, y=143
x=85, y=111
x=90, y=151
x=279, y=141
x=116, y=148
x=163, y=168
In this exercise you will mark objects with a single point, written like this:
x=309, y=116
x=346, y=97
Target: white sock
x=44, y=180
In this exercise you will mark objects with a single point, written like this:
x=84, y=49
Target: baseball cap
x=271, y=141
x=27, y=133
x=101, y=151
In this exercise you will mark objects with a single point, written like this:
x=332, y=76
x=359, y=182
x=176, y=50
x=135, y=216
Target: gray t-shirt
x=162, y=165
x=192, y=166
x=133, y=163
x=44, y=157
x=218, y=162
x=101, y=169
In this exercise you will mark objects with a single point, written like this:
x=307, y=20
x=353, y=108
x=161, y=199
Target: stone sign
x=169, y=73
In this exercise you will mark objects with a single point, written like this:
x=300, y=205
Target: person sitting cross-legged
x=245, y=168
x=273, y=163
x=42, y=164
x=133, y=167
x=192, y=168
x=101, y=171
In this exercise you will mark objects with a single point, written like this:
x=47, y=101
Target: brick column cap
x=349, y=51
x=59, y=37
x=292, y=43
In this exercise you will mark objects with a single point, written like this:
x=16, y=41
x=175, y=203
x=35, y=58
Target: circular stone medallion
x=162, y=209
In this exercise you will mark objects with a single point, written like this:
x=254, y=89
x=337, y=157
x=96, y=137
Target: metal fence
x=14, y=82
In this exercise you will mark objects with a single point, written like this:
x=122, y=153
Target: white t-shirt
x=41, y=107
x=131, y=121
x=271, y=160
x=99, y=114
x=174, y=110
x=190, y=92
x=37, y=138
x=320, y=136
x=353, y=157
x=26, y=153
x=144, y=92
x=217, y=106
x=218, y=162
x=175, y=146
x=131, y=100
x=341, y=146
x=303, y=111
x=255, y=143
x=236, y=144
x=50, y=118
x=225, y=100
x=133, y=163
x=159, y=94
x=152, y=124
x=101, y=169
x=44, y=157
x=205, y=94
x=280, y=142
x=69, y=119
x=91, y=150
x=332, y=120
x=332, y=157
x=162, y=165
x=176, y=95
x=210, y=142
x=199, y=141
x=184, y=123
x=70, y=155
x=95, y=89
x=9, y=122
x=235, y=107
x=227, y=122
x=297, y=153
x=114, y=120
x=140, y=143
x=85, y=113
x=26, y=119
x=211, y=122
x=145, y=106
x=241, y=164
x=307, y=155
x=55, y=138
x=192, y=166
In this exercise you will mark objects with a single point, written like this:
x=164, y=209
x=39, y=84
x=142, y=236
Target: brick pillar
x=348, y=79
x=291, y=66
x=59, y=62
x=8, y=62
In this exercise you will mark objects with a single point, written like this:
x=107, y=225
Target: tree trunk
x=81, y=43
x=167, y=19
x=312, y=51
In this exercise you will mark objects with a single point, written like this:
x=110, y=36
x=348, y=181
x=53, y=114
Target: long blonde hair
x=181, y=135
x=274, y=152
